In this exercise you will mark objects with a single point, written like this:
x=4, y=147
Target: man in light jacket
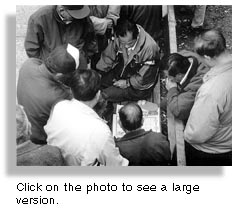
x=208, y=133
x=129, y=64
x=74, y=127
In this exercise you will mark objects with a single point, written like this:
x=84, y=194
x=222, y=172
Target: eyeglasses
x=127, y=44
x=65, y=16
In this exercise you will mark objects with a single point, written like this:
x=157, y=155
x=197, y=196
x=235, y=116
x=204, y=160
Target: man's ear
x=207, y=57
x=119, y=122
x=98, y=95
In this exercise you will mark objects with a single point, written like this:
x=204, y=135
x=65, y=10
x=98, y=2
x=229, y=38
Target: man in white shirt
x=83, y=137
x=208, y=132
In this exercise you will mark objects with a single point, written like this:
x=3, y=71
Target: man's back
x=144, y=148
x=37, y=91
x=80, y=133
x=215, y=99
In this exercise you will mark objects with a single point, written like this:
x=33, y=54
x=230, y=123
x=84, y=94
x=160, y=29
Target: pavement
x=22, y=15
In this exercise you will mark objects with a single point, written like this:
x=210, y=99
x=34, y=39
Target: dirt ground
x=22, y=15
x=217, y=16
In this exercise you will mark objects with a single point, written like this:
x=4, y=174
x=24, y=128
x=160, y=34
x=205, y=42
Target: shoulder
x=217, y=84
x=156, y=136
x=30, y=64
x=195, y=82
x=61, y=106
x=155, y=140
x=42, y=12
x=50, y=151
x=150, y=43
x=40, y=155
x=101, y=127
x=33, y=61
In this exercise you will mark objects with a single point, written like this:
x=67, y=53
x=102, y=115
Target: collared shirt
x=83, y=137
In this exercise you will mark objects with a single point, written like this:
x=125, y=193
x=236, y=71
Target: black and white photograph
x=124, y=85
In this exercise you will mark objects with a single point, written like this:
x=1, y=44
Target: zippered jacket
x=141, y=66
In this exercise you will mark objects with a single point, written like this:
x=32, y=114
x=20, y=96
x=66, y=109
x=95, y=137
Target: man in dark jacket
x=52, y=26
x=39, y=88
x=140, y=147
x=148, y=16
x=185, y=71
x=30, y=154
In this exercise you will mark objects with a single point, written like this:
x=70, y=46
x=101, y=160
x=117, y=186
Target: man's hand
x=170, y=83
x=109, y=23
x=120, y=83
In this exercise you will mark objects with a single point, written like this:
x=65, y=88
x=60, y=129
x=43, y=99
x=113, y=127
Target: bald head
x=131, y=116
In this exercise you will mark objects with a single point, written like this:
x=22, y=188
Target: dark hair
x=211, y=43
x=176, y=64
x=60, y=61
x=85, y=84
x=131, y=116
x=123, y=26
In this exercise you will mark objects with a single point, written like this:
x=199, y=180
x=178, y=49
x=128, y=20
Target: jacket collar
x=218, y=69
x=192, y=72
x=133, y=135
x=139, y=45
x=87, y=110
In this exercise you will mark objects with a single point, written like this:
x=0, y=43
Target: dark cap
x=77, y=11
x=60, y=61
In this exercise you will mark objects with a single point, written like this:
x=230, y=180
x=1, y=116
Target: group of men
x=60, y=95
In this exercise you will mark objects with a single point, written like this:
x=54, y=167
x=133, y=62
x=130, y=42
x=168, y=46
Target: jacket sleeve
x=100, y=24
x=110, y=155
x=203, y=121
x=34, y=39
x=114, y=13
x=180, y=104
x=91, y=46
x=108, y=57
x=147, y=74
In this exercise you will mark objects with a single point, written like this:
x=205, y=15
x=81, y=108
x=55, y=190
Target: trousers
x=195, y=157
